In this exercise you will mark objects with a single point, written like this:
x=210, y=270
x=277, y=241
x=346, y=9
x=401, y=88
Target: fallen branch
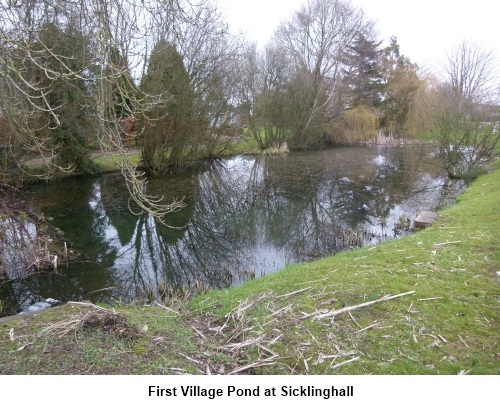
x=314, y=281
x=284, y=309
x=293, y=293
x=266, y=362
x=447, y=243
x=88, y=304
x=191, y=359
x=344, y=363
x=463, y=341
x=246, y=343
x=166, y=308
x=430, y=299
x=368, y=327
x=363, y=305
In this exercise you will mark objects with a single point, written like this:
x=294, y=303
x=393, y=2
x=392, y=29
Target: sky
x=425, y=29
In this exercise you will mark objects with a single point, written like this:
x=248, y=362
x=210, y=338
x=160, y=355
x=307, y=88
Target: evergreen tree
x=400, y=84
x=168, y=128
x=66, y=127
x=363, y=73
x=123, y=88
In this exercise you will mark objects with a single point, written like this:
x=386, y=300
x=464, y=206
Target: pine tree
x=66, y=126
x=363, y=72
x=168, y=129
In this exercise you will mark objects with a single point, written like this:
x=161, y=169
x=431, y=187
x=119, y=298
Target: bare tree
x=69, y=68
x=315, y=40
x=468, y=133
x=114, y=30
x=207, y=55
x=264, y=95
x=467, y=118
x=470, y=71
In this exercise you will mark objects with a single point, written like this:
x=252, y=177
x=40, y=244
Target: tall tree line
x=80, y=75
x=324, y=77
x=77, y=75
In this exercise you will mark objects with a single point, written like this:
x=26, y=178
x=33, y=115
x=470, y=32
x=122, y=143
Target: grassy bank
x=447, y=323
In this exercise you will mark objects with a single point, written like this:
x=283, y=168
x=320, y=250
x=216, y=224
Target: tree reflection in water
x=244, y=217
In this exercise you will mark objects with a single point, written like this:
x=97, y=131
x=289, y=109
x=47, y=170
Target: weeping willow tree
x=353, y=126
x=421, y=116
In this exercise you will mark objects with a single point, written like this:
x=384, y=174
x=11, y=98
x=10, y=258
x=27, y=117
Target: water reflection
x=244, y=217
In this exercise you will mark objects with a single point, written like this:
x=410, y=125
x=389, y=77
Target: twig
x=430, y=299
x=249, y=342
x=261, y=363
x=218, y=329
x=352, y=317
x=267, y=350
x=294, y=293
x=190, y=359
x=407, y=357
x=313, y=338
x=315, y=313
x=322, y=357
x=199, y=333
x=180, y=370
x=363, y=305
x=446, y=243
x=368, y=327
x=102, y=289
x=242, y=309
x=284, y=309
x=274, y=340
x=463, y=341
x=164, y=307
x=344, y=362
x=88, y=304
x=409, y=310
x=313, y=281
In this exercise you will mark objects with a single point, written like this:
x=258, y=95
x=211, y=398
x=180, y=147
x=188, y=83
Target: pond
x=244, y=217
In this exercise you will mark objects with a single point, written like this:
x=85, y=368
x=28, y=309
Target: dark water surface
x=244, y=217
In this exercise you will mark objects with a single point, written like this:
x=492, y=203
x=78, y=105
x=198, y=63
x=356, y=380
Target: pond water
x=244, y=217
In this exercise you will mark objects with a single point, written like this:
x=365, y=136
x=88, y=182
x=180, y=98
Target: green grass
x=449, y=325
x=34, y=172
x=110, y=163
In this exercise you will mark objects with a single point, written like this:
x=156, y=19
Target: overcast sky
x=426, y=29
